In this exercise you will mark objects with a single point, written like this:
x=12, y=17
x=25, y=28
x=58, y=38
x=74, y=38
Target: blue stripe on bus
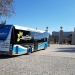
x=24, y=49
x=41, y=46
x=20, y=49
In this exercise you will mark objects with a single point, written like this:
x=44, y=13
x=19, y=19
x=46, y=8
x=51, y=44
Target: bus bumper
x=5, y=53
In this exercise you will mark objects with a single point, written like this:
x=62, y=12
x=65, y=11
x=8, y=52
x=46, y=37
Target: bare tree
x=6, y=8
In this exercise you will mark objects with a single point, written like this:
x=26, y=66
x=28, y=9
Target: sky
x=43, y=13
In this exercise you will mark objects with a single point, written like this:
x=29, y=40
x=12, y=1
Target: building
x=67, y=37
x=65, y=34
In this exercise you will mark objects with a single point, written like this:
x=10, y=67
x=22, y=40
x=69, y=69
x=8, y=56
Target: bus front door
x=35, y=45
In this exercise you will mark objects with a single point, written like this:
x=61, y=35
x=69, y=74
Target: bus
x=17, y=40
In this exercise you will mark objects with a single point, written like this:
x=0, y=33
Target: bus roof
x=27, y=29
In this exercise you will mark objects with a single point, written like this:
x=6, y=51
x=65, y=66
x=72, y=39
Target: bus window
x=20, y=38
x=4, y=32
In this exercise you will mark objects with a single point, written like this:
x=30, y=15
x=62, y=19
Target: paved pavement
x=58, y=50
x=55, y=60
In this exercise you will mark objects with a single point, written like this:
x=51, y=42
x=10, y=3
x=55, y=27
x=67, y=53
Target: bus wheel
x=29, y=51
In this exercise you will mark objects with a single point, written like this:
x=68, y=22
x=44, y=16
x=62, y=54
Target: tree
x=6, y=8
x=3, y=22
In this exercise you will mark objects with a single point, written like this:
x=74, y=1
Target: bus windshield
x=4, y=31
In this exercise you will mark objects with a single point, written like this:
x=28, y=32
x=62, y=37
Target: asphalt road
x=55, y=60
x=58, y=50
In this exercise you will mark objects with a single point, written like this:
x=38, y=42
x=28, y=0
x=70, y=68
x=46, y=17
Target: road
x=58, y=50
x=55, y=60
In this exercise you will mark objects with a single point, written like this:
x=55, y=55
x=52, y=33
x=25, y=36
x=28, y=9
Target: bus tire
x=29, y=51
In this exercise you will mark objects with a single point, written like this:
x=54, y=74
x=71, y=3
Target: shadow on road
x=4, y=56
x=8, y=56
x=69, y=49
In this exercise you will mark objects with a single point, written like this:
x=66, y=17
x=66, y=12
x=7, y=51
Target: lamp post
x=47, y=28
x=61, y=35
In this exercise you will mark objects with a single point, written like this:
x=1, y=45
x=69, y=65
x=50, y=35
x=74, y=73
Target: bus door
x=35, y=45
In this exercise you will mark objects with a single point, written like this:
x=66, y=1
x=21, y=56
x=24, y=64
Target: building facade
x=67, y=37
x=65, y=34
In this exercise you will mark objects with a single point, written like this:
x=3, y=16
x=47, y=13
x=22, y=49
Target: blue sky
x=42, y=13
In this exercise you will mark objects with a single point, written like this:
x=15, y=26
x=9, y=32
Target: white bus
x=17, y=40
